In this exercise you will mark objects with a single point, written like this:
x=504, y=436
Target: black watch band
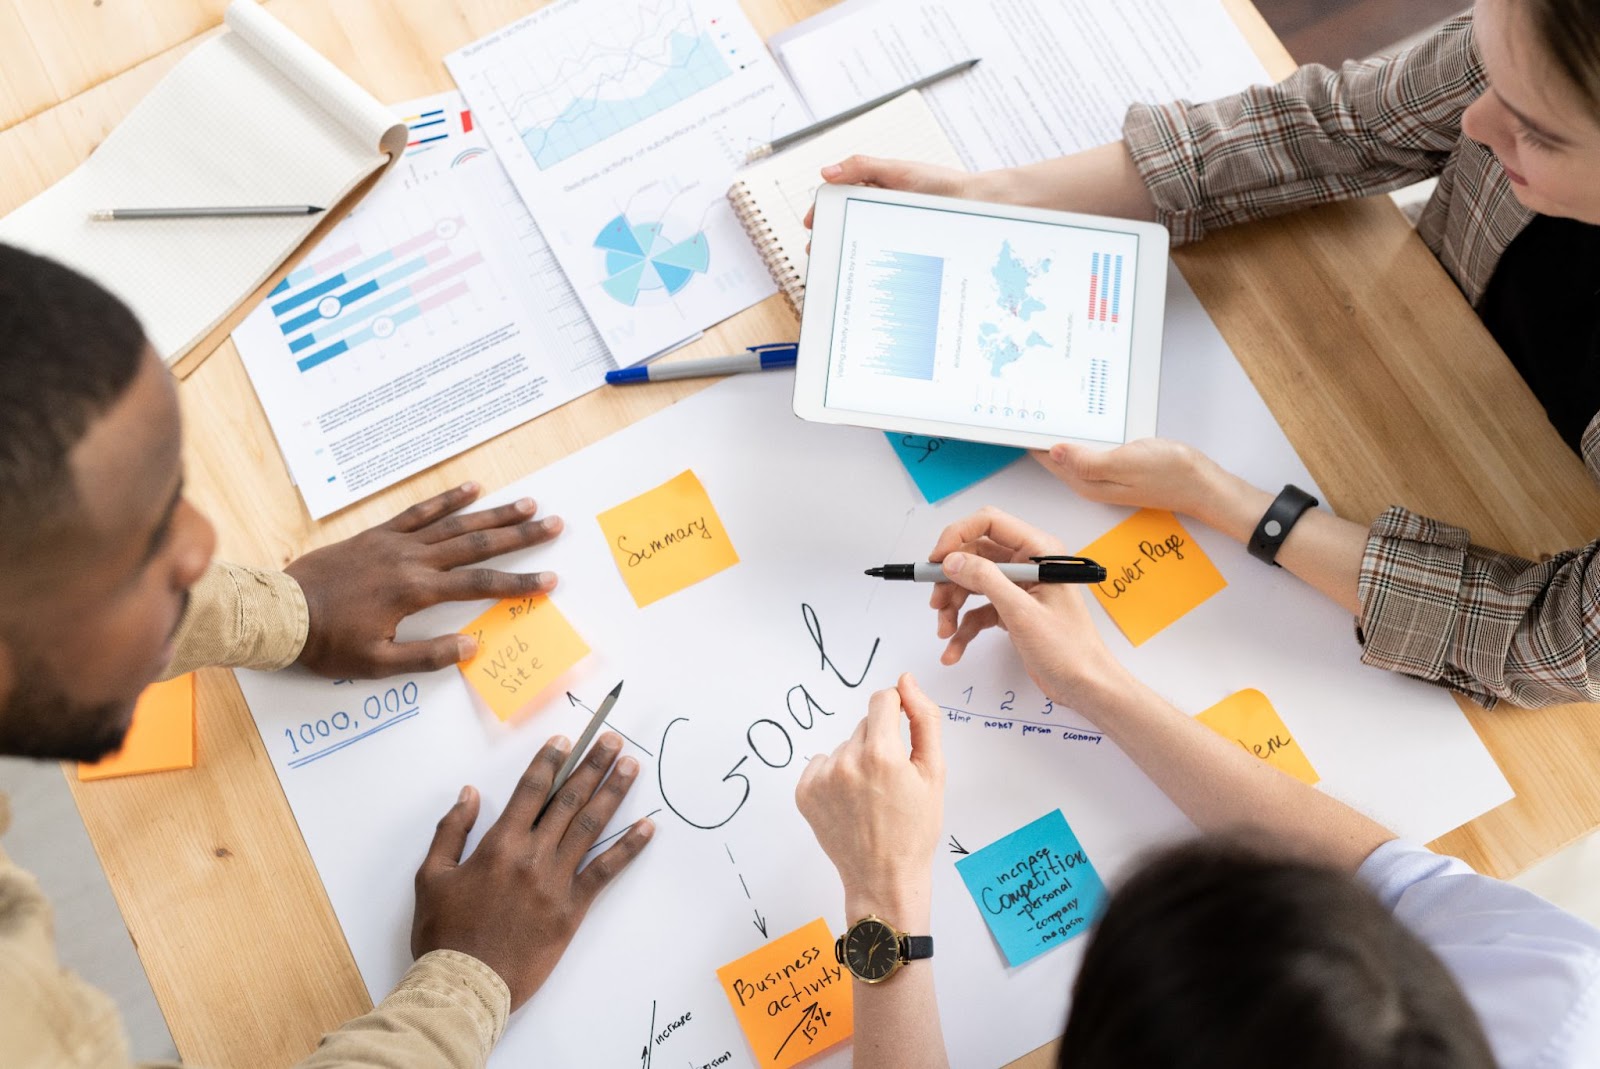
x=916, y=947
x=1279, y=519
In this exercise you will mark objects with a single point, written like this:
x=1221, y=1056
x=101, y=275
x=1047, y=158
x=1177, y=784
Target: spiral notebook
x=253, y=115
x=771, y=198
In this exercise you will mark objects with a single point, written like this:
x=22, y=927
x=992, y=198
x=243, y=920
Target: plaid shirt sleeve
x=1492, y=625
x=1318, y=136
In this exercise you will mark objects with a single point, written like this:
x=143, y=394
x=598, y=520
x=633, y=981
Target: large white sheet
x=808, y=507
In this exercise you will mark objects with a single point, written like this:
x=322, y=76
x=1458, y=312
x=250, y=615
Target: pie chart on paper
x=643, y=257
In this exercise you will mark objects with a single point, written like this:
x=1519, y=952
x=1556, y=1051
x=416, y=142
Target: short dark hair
x=68, y=351
x=1215, y=954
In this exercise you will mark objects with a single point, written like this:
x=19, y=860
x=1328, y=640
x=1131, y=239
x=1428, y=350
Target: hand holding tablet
x=986, y=322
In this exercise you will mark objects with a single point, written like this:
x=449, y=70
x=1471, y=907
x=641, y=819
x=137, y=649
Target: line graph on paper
x=611, y=74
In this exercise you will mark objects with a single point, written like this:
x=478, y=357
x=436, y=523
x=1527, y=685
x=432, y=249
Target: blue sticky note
x=942, y=466
x=1036, y=887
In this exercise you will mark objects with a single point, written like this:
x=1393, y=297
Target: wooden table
x=1383, y=378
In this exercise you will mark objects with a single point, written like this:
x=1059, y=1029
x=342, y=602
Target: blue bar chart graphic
x=1105, y=287
x=902, y=298
x=351, y=297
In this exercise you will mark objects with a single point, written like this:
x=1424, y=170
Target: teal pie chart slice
x=624, y=284
x=639, y=258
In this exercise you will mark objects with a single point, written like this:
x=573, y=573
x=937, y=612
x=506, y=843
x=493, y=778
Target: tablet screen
x=998, y=323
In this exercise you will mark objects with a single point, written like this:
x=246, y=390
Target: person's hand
x=895, y=174
x=360, y=589
x=1148, y=473
x=877, y=810
x=517, y=901
x=1048, y=622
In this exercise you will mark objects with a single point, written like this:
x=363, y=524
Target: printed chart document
x=1057, y=75
x=622, y=125
x=433, y=318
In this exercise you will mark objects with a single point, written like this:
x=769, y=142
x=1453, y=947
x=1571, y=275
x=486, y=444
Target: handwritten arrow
x=957, y=848
x=761, y=923
x=610, y=724
x=812, y=1014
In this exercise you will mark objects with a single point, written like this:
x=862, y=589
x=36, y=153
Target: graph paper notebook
x=253, y=116
x=772, y=197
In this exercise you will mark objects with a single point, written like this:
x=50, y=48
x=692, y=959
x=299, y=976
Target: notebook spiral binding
x=789, y=276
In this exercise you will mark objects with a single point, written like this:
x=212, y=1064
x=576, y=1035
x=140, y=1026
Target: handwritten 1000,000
x=319, y=738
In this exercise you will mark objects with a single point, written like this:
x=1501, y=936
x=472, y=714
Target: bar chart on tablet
x=1004, y=324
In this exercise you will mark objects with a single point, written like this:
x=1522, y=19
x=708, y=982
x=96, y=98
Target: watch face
x=872, y=950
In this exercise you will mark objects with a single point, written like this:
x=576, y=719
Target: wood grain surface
x=1382, y=377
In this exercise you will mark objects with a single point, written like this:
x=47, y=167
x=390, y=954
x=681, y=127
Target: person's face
x=1533, y=119
x=90, y=616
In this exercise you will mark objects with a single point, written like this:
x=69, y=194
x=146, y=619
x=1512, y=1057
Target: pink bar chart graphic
x=1105, y=288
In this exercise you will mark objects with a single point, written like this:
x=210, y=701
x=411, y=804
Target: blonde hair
x=1569, y=30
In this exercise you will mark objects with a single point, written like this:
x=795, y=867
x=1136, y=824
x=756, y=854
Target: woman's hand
x=877, y=810
x=1148, y=473
x=1048, y=623
x=896, y=174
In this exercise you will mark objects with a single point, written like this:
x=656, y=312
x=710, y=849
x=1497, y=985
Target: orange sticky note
x=667, y=538
x=1249, y=719
x=1154, y=573
x=791, y=997
x=161, y=737
x=523, y=645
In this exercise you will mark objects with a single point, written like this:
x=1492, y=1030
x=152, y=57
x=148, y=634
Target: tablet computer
x=987, y=322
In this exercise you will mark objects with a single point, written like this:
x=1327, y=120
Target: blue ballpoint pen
x=756, y=358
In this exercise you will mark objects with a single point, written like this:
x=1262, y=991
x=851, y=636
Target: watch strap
x=916, y=947
x=1276, y=523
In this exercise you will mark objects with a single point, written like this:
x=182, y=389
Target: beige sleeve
x=241, y=617
x=48, y=1015
x=447, y=1011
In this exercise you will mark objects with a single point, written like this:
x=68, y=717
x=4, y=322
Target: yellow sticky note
x=1154, y=573
x=161, y=737
x=1249, y=719
x=791, y=997
x=523, y=645
x=667, y=538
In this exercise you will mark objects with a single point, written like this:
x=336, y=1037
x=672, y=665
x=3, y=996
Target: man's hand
x=877, y=810
x=360, y=589
x=517, y=901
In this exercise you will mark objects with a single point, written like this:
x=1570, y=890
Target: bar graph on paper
x=902, y=301
x=355, y=296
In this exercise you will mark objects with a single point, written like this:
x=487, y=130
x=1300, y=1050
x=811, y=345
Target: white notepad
x=252, y=117
x=771, y=197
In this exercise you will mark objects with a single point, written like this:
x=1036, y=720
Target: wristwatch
x=873, y=951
